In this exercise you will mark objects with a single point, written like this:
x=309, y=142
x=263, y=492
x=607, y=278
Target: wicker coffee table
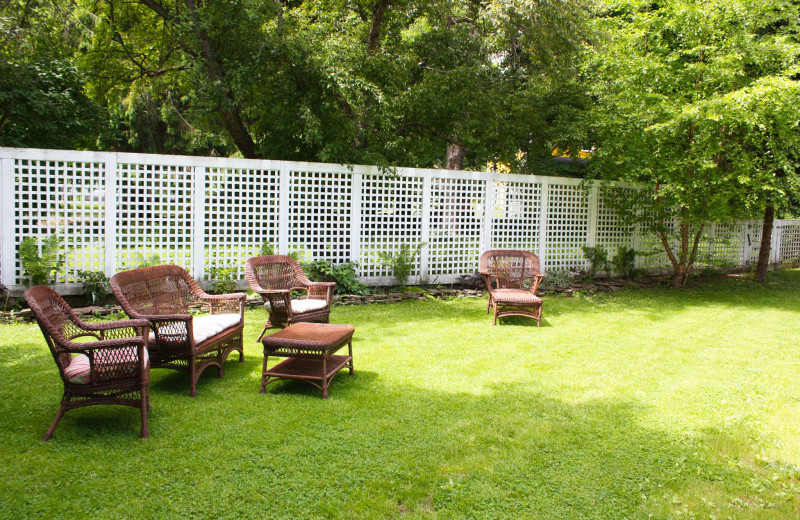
x=310, y=350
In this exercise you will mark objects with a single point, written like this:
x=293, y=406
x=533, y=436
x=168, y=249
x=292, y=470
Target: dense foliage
x=699, y=105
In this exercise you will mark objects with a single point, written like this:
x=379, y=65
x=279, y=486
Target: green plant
x=624, y=262
x=147, y=261
x=555, y=279
x=344, y=275
x=223, y=279
x=598, y=259
x=402, y=262
x=266, y=249
x=94, y=284
x=41, y=263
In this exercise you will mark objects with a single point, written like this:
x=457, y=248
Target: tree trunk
x=766, y=244
x=454, y=160
x=226, y=105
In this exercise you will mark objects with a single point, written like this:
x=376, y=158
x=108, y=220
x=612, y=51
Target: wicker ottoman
x=310, y=350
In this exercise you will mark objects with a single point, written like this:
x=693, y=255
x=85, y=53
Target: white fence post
x=356, y=188
x=488, y=215
x=8, y=263
x=777, y=236
x=110, y=195
x=543, y=226
x=594, y=205
x=424, y=255
x=283, y=210
x=199, y=214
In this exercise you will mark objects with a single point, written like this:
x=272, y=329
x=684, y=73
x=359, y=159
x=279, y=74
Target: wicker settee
x=180, y=341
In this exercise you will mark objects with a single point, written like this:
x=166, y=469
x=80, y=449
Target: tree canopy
x=681, y=107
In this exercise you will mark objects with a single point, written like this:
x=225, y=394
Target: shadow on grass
x=372, y=450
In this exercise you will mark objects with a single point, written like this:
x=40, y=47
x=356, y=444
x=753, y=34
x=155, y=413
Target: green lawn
x=641, y=404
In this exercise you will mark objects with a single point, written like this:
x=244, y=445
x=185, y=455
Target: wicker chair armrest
x=321, y=289
x=222, y=297
x=225, y=303
x=537, y=279
x=113, y=325
x=104, y=344
x=157, y=318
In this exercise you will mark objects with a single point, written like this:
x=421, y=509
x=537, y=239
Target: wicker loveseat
x=274, y=277
x=162, y=295
x=512, y=278
x=99, y=363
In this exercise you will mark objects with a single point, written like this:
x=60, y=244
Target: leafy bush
x=624, y=262
x=266, y=249
x=40, y=267
x=344, y=275
x=95, y=285
x=598, y=259
x=147, y=261
x=402, y=262
x=556, y=279
x=223, y=279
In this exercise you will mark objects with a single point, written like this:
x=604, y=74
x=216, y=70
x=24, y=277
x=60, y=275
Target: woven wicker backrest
x=274, y=272
x=510, y=269
x=154, y=291
x=56, y=320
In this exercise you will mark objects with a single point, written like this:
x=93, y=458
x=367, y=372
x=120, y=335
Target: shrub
x=147, y=261
x=40, y=267
x=223, y=279
x=556, y=279
x=624, y=262
x=95, y=285
x=598, y=259
x=402, y=262
x=344, y=275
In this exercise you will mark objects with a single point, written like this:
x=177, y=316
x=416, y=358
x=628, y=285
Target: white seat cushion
x=207, y=326
x=79, y=372
x=305, y=305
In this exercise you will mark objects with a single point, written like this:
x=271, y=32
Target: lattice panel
x=517, y=210
x=753, y=240
x=567, y=227
x=790, y=243
x=610, y=233
x=725, y=244
x=155, y=217
x=456, y=226
x=241, y=215
x=391, y=215
x=319, y=215
x=65, y=198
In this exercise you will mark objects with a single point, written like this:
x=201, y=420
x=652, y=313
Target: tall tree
x=655, y=75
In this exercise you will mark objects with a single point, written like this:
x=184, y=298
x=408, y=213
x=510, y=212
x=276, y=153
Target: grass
x=640, y=404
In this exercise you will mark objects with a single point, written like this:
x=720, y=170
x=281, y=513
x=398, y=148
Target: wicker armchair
x=512, y=278
x=162, y=295
x=109, y=366
x=274, y=277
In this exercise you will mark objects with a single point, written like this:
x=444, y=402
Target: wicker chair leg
x=263, y=331
x=53, y=425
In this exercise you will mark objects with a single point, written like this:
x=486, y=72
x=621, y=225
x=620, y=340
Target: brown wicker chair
x=162, y=295
x=274, y=277
x=110, y=366
x=512, y=278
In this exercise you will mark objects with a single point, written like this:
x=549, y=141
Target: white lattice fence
x=118, y=211
x=241, y=215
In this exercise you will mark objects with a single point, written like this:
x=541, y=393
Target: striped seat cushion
x=123, y=363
